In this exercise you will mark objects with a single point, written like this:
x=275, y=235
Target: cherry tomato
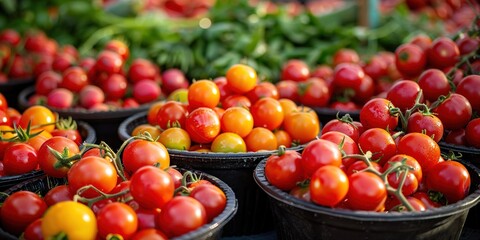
x=449, y=178
x=60, y=98
x=34, y=230
x=228, y=142
x=396, y=206
x=237, y=120
x=58, y=194
x=151, y=187
x=302, y=126
x=203, y=125
x=235, y=100
x=455, y=112
x=284, y=170
x=174, y=79
x=261, y=139
x=48, y=162
x=288, y=89
x=212, y=198
x=456, y=137
x=181, y=215
x=283, y=138
x=421, y=147
x=203, y=93
x=428, y=124
x=146, y=217
x=170, y=114
x=20, y=209
x=328, y=186
x=301, y=192
x=114, y=87
x=73, y=219
x=366, y=191
x=410, y=59
x=268, y=113
x=74, y=79
x=379, y=142
x=139, y=153
x=472, y=132
x=434, y=83
x=296, y=70
x=375, y=114
x=154, y=131
x=175, y=138
x=426, y=200
x=359, y=165
x=468, y=87
x=149, y=234
x=38, y=115
x=345, y=55
x=262, y=90
x=403, y=93
x=348, y=75
x=319, y=153
x=422, y=40
x=94, y=171
x=376, y=68
x=443, y=53
x=19, y=158
x=119, y=47
x=241, y=78
x=314, y=92
x=46, y=82
x=342, y=125
x=117, y=218
x=145, y=91
x=109, y=62
x=347, y=145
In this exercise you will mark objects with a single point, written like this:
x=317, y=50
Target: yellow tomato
x=73, y=219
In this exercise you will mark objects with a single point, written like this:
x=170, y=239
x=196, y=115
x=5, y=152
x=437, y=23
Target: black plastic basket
x=254, y=214
x=12, y=88
x=88, y=135
x=470, y=153
x=209, y=231
x=327, y=114
x=298, y=219
x=105, y=123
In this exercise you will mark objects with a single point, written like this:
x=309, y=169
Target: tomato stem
x=91, y=201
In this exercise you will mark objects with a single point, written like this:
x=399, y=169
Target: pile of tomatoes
x=231, y=114
x=132, y=193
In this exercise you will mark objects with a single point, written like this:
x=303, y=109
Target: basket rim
x=444, y=211
x=458, y=148
x=83, y=114
x=333, y=112
x=11, y=82
x=141, y=116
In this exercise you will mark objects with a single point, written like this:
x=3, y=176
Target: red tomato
x=410, y=59
x=426, y=200
x=139, y=153
x=456, y=137
x=379, y=142
x=109, y=62
x=443, y=53
x=60, y=98
x=348, y=75
x=403, y=93
x=343, y=125
x=19, y=158
x=347, y=144
x=375, y=114
x=268, y=113
x=421, y=147
x=117, y=218
x=315, y=93
x=34, y=230
x=149, y=234
x=145, y=91
x=146, y=217
x=95, y=171
x=181, y=215
x=74, y=79
x=455, y=112
x=284, y=170
x=235, y=100
x=173, y=79
x=46, y=82
x=422, y=40
x=360, y=165
x=57, y=194
x=171, y=113
x=468, y=87
x=119, y=47
x=345, y=55
x=114, y=87
x=203, y=125
x=396, y=206
x=295, y=70
x=262, y=90
x=301, y=192
x=427, y=124
x=376, y=68
x=20, y=209
x=212, y=198
x=90, y=95
x=472, y=133
x=434, y=83
x=288, y=89
x=151, y=187
x=328, y=186
x=449, y=178
x=366, y=191
x=221, y=83
x=47, y=161
x=319, y=153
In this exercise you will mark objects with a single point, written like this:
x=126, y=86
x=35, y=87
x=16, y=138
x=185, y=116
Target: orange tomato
x=237, y=120
x=261, y=139
x=241, y=78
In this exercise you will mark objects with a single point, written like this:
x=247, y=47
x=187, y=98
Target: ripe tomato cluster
x=132, y=193
x=22, y=138
x=234, y=113
x=64, y=80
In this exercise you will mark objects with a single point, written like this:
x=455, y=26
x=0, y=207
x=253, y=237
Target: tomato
x=154, y=131
x=34, y=230
x=468, y=87
x=225, y=91
x=47, y=161
x=426, y=200
x=394, y=205
x=434, y=83
x=410, y=59
x=268, y=113
x=236, y=101
x=237, y=120
x=58, y=194
x=10, y=36
x=109, y=62
x=348, y=75
x=421, y=147
x=296, y=70
x=376, y=68
x=301, y=192
x=375, y=114
x=212, y=198
x=288, y=106
x=328, y=186
x=345, y=55
x=73, y=219
x=347, y=145
x=366, y=191
x=288, y=89
x=3, y=103
x=20, y=209
x=38, y=115
x=170, y=114
x=261, y=139
x=60, y=98
x=173, y=79
x=95, y=171
x=149, y=234
x=139, y=153
x=181, y=215
x=4, y=119
x=114, y=87
x=74, y=79
x=456, y=137
x=422, y=40
x=146, y=217
x=19, y=158
x=151, y=187
x=284, y=170
x=443, y=53
x=379, y=142
x=455, y=112
x=119, y=47
x=228, y=142
x=91, y=95
x=410, y=185
x=46, y=82
x=203, y=125
x=343, y=125
x=403, y=93
x=360, y=165
x=449, y=178
x=262, y=90
x=467, y=44
x=241, y=78
x=314, y=92
x=472, y=131
x=283, y=138
x=117, y=218
x=175, y=138
x=428, y=124
x=319, y=153
x=145, y=91
x=302, y=126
